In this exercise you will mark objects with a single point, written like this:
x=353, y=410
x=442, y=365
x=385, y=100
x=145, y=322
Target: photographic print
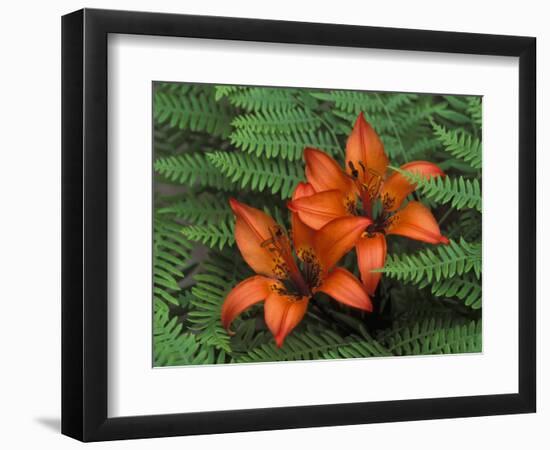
x=310, y=224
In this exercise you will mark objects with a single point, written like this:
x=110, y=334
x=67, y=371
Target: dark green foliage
x=467, y=226
x=216, y=142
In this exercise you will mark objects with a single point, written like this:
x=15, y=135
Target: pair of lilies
x=336, y=210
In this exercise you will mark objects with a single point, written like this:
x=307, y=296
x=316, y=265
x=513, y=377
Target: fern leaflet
x=191, y=169
x=171, y=347
x=314, y=343
x=218, y=276
x=218, y=235
x=170, y=253
x=459, y=144
x=194, y=112
x=432, y=336
x=287, y=146
x=279, y=176
x=446, y=261
x=467, y=289
x=459, y=192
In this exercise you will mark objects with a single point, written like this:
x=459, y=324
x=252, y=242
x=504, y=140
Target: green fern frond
x=433, y=336
x=419, y=114
x=263, y=99
x=459, y=192
x=280, y=176
x=218, y=275
x=457, y=102
x=467, y=289
x=247, y=336
x=286, y=122
x=287, y=146
x=387, y=123
x=191, y=169
x=171, y=252
x=226, y=90
x=194, y=112
x=213, y=236
x=459, y=144
x=367, y=102
x=314, y=344
x=475, y=110
x=180, y=89
x=171, y=347
x=445, y=261
x=421, y=146
x=409, y=303
x=454, y=116
x=351, y=102
x=379, y=121
x=201, y=209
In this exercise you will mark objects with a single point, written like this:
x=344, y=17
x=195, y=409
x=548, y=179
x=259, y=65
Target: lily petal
x=325, y=174
x=253, y=228
x=303, y=190
x=302, y=236
x=282, y=314
x=365, y=155
x=337, y=238
x=319, y=209
x=371, y=254
x=342, y=286
x=396, y=188
x=415, y=221
x=245, y=294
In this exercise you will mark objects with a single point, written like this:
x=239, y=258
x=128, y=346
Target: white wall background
x=30, y=223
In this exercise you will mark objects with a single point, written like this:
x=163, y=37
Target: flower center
x=297, y=282
x=310, y=268
x=372, y=205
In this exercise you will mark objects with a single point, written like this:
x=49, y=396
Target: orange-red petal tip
x=444, y=240
x=234, y=203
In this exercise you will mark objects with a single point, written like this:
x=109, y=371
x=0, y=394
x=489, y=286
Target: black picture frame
x=84, y=224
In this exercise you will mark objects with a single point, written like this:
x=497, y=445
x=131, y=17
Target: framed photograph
x=273, y=224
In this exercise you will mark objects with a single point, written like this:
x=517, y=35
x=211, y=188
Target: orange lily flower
x=286, y=283
x=335, y=193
